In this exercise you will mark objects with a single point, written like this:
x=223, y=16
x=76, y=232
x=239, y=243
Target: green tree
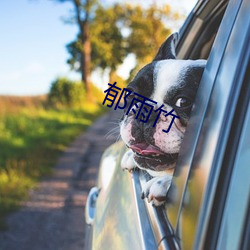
x=108, y=46
x=83, y=15
x=147, y=32
x=122, y=29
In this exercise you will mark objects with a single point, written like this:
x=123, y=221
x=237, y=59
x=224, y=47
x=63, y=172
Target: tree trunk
x=86, y=45
x=86, y=58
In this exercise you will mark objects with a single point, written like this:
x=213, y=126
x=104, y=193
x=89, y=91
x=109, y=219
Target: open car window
x=197, y=173
x=201, y=23
x=198, y=33
x=196, y=41
x=213, y=31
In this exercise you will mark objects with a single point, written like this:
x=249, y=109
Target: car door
x=122, y=219
x=210, y=164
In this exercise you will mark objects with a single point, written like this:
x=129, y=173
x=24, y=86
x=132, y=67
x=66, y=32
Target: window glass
x=236, y=206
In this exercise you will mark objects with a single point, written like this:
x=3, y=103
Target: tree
x=108, y=44
x=83, y=15
x=108, y=48
x=119, y=30
x=148, y=32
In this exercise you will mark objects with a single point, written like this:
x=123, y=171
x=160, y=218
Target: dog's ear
x=167, y=49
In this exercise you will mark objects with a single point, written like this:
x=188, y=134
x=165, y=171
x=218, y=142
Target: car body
x=209, y=198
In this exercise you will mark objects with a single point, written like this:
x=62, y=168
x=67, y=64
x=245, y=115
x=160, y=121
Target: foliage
x=31, y=138
x=119, y=30
x=108, y=45
x=66, y=93
x=147, y=31
x=82, y=15
x=74, y=49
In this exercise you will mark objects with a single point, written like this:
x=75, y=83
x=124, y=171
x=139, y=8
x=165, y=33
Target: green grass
x=31, y=139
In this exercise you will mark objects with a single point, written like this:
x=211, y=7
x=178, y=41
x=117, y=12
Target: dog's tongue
x=145, y=149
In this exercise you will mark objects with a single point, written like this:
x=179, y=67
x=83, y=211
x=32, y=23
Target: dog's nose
x=147, y=116
x=145, y=121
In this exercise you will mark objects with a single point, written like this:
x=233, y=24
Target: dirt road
x=53, y=218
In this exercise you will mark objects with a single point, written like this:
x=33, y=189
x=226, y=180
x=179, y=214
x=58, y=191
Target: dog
x=171, y=82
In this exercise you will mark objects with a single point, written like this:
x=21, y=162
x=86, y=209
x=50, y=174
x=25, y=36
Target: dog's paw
x=156, y=189
x=127, y=162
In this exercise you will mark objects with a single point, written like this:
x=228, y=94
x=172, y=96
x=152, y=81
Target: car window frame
x=197, y=116
x=213, y=182
x=239, y=108
x=161, y=226
x=233, y=179
x=159, y=221
x=194, y=28
x=210, y=74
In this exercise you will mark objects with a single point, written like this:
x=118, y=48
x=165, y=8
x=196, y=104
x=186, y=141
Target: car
x=208, y=203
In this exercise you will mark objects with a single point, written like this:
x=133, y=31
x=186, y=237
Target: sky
x=32, y=45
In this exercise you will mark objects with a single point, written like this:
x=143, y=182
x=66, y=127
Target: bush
x=66, y=93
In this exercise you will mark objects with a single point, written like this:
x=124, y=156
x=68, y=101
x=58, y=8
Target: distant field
x=12, y=104
x=31, y=138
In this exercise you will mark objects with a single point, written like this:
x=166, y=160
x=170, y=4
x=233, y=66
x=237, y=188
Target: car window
x=188, y=145
x=198, y=34
x=235, y=212
x=204, y=23
x=179, y=220
x=209, y=129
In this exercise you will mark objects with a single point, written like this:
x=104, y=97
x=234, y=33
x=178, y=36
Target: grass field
x=31, y=139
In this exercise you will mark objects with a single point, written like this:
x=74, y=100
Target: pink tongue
x=145, y=149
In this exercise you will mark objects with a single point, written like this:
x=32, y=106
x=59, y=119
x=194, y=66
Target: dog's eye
x=183, y=102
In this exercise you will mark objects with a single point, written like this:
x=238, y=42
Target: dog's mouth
x=150, y=157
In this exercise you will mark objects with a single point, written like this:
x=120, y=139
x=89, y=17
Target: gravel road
x=53, y=218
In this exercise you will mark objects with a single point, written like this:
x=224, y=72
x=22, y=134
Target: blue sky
x=32, y=44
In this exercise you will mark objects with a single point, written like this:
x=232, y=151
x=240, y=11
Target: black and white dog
x=171, y=82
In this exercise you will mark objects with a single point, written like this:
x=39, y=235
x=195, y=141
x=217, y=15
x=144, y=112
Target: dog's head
x=171, y=82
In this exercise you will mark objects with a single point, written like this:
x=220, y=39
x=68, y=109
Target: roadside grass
x=31, y=139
